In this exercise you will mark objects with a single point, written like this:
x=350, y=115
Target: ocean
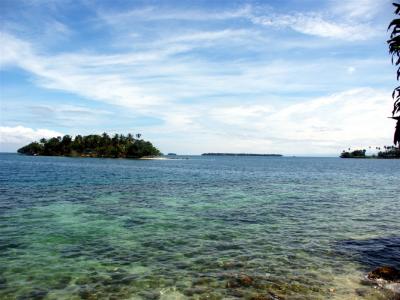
x=196, y=227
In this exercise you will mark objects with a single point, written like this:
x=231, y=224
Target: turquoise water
x=300, y=228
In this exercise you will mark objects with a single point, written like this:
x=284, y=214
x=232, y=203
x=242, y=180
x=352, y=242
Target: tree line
x=119, y=145
x=388, y=152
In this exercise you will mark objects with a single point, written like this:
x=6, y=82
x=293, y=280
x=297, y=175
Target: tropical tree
x=394, y=50
x=92, y=145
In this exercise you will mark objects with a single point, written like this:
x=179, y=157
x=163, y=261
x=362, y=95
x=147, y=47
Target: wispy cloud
x=359, y=9
x=348, y=21
x=151, y=13
x=316, y=25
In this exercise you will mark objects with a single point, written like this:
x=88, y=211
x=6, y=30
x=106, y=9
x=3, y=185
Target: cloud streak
x=349, y=21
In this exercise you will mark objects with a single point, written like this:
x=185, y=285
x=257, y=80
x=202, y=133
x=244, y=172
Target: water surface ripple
x=197, y=228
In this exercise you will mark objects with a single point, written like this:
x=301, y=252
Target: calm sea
x=196, y=228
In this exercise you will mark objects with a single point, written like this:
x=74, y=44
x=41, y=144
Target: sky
x=297, y=77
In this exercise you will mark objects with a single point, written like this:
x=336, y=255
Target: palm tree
x=394, y=50
x=130, y=138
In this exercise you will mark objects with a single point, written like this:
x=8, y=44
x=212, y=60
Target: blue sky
x=294, y=77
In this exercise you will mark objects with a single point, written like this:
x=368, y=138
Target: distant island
x=390, y=152
x=240, y=154
x=117, y=146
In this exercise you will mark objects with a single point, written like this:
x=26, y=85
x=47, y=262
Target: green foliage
x=353, y=154
x=390, y=152
x=31, y=149
x=93, y=146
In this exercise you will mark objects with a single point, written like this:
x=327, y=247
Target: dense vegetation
x=389, y=152
x=353, y=154
x=92, y=145
x=394, y=50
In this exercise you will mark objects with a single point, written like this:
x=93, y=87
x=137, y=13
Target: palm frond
x=397, y=11
x=397, y=134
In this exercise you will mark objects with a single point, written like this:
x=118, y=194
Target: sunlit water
x=301, y=228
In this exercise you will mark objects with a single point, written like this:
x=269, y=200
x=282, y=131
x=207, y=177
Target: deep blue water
x=300, y=228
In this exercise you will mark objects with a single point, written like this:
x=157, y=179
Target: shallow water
x=301, y=228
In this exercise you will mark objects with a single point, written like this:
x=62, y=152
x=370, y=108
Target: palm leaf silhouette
x=394, y=50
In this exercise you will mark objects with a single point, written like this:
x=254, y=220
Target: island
x=117, y=146
x=240, y=154
x=389, y=152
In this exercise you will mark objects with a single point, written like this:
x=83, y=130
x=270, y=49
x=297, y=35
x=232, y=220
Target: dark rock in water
x=362, y=292
x=82, y=281
x=238, y=294
x=34, y=295
x=150, y=295
x=87, y=293
x=241, y=280
x=195, y=290
x=9, y=245
x=267, y=296
x=3, y=283
x=259, y=297
x=201, y=281
x=385, y=273
x=63, y=282
x=387, y=278
x=128, y=279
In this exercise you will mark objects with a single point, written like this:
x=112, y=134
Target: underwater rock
x=63, y=282
x=201, y=281
x=150, y=295
x=393, y=287
x=384, y=273
x=260, y=297
x=37, y=294
x=195, y=290
x=182, y=265
x=87, y=294
x=240, y=280
x=128, y=279
x=267, y=296
x=362, y=292
x=3, y=283
x=237, y=294
x=387, y=278
x=10, y=245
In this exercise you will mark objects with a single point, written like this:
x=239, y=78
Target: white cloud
x=359, y=9
x=15, y=137
x=152, y=13
x=75, y=75
x=355, y=118
x=317, y=25
x=345, y=20
x=12, y=49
